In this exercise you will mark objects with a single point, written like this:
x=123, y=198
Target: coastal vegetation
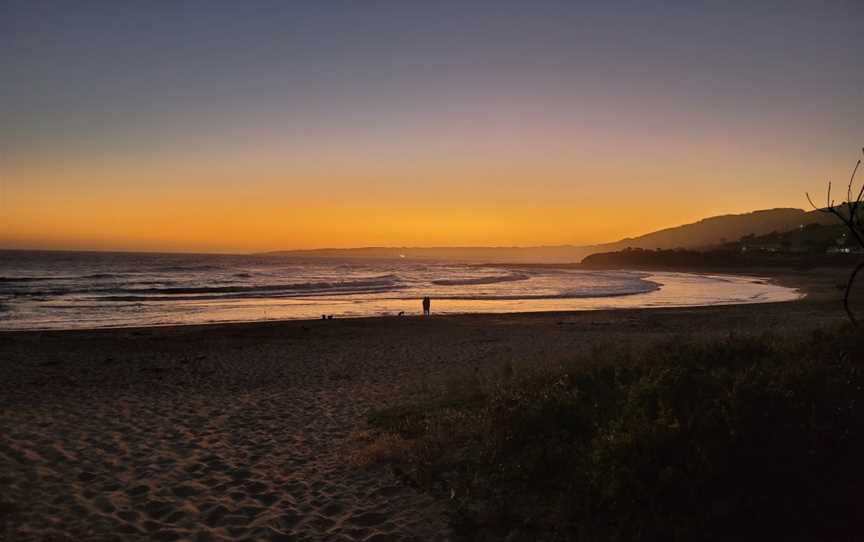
x=744, y=436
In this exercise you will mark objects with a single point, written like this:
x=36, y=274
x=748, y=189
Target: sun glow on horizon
x=228, y=130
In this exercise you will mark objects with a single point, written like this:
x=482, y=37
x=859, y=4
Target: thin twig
x=849, y=290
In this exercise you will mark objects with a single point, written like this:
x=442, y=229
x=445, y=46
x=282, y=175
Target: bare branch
x=849, y=290
x=852, y=223
x=813, y=204
x=829, y=207
x=854, y=207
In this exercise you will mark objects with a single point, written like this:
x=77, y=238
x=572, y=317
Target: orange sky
x=227, y=205
x=237, y=129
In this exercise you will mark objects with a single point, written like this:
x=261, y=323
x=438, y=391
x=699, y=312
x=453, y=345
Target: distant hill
x=802, y=247
x=707, y=232
x=718, y=230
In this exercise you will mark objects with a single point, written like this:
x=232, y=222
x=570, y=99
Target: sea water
x=75, y=290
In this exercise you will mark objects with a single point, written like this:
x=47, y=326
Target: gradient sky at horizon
x=246, y=126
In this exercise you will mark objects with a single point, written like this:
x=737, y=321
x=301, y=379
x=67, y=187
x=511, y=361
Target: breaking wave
x=370, y=285
x=480, y=280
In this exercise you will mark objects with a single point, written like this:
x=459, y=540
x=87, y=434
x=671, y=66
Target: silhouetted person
x=426, y=303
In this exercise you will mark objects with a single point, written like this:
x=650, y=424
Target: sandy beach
x=431, y=271
x=250, y=431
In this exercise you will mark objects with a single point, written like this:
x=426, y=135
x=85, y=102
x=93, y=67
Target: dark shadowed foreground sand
x=250, y=431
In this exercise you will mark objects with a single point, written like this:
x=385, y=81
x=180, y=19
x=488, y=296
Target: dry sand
x=247, y=431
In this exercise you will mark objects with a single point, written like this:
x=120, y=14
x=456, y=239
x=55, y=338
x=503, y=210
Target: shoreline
x=788, y=279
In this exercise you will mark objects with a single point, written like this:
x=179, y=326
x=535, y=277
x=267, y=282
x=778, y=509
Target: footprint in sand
x=367, y=519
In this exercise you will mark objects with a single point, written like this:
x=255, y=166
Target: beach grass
x=739, y=437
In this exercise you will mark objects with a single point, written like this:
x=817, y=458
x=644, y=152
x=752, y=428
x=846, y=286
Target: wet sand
x=249, y=431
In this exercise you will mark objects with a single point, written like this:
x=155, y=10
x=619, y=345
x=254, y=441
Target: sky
x=218, y=126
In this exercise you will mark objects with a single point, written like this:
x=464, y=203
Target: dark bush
x=746, y=437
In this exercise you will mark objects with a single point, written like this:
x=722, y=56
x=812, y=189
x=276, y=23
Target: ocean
x=85, y=290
